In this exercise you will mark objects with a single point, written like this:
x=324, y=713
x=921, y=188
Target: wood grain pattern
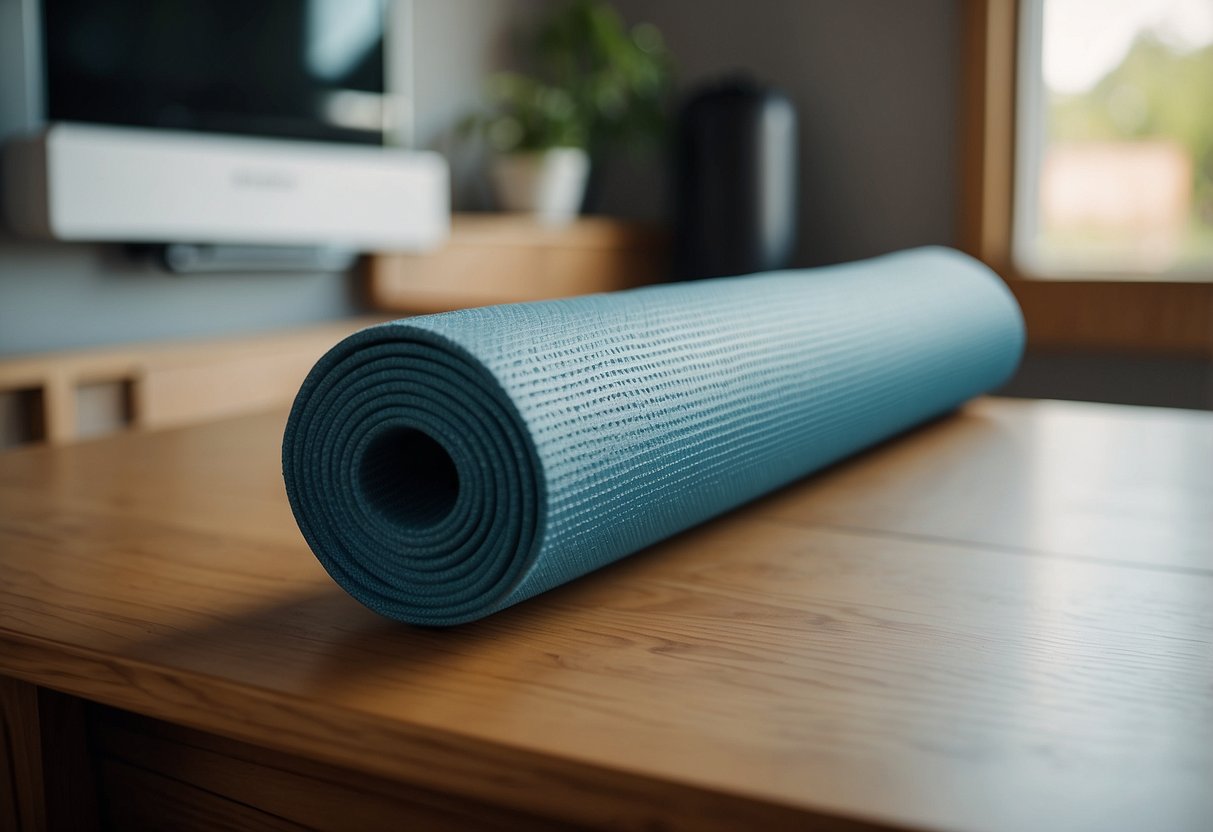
x=1068, y=482
x=998, y=622
x=502, y=258
x=1143, y=316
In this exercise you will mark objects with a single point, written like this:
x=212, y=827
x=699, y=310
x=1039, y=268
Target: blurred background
x=1097, y=177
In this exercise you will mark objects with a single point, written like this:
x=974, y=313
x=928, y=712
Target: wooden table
x=1001, y=621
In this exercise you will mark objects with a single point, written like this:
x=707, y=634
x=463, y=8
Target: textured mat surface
x=447, y=466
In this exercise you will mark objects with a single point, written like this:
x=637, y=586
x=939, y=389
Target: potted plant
x=597, y=84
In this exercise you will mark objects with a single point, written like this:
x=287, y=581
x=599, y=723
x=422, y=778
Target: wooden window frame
x=1125, y=315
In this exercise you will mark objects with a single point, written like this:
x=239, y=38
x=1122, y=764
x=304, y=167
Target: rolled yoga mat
x=445, y=467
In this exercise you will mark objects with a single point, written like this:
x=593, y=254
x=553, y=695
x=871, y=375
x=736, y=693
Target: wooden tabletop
x=1001, y=621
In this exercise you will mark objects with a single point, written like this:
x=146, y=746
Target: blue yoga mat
x=447, y=466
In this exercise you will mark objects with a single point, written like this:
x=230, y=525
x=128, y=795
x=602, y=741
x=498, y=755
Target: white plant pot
x=549, y=184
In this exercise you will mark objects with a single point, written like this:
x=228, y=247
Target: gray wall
x=58, y=296
x=875, y=85
x=458, y=44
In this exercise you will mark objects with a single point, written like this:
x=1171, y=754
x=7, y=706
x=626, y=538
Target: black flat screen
x=308, y=69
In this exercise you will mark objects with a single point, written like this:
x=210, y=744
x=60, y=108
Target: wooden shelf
x=161, y=385
x=504, y=258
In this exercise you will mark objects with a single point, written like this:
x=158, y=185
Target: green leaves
x=596, y=84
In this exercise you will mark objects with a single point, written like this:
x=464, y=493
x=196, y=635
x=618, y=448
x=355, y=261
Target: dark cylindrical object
x=735, y=189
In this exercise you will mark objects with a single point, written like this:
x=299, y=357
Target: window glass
x=1115, y=141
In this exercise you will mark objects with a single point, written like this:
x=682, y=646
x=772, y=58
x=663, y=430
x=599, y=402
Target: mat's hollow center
x=409, y=478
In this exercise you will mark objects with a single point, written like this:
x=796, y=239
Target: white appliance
x=99, y=182
x=214, y=121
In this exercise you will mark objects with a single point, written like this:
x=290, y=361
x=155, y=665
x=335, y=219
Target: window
x=1114, y=139
x=1132, y=291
